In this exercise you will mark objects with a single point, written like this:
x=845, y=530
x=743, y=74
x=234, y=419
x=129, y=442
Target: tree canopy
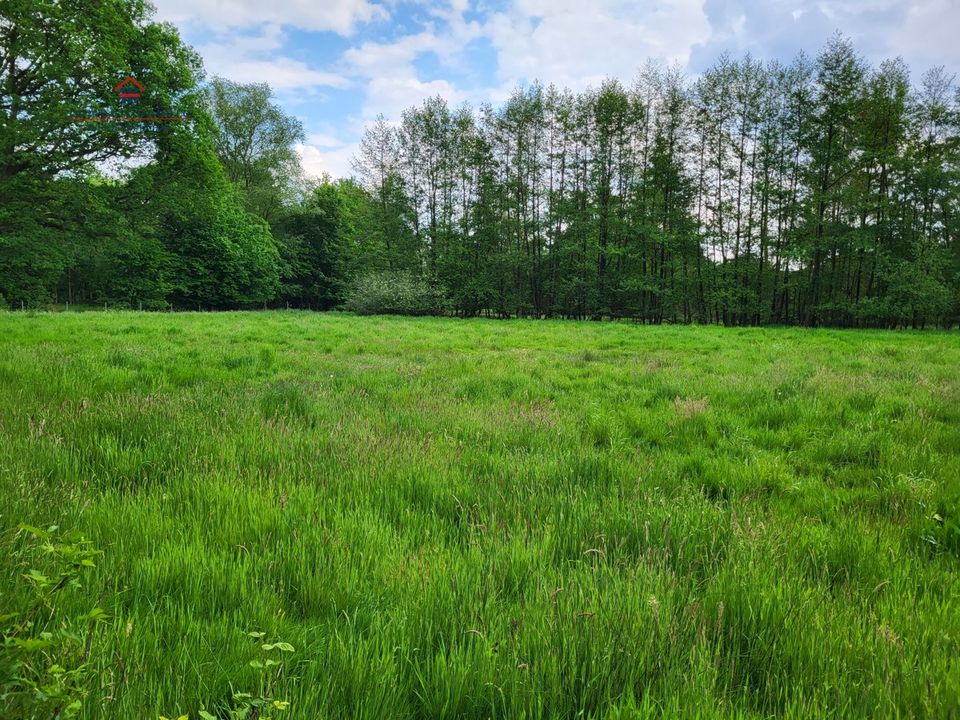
x=254, y=140
x=60, y=60
x=173, y=230
x=825, y=191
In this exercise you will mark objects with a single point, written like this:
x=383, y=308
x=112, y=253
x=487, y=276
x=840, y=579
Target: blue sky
x=337, y=64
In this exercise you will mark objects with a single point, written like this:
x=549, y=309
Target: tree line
x=823, y=192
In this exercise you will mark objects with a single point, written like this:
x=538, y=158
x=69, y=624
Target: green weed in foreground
x=487, y=519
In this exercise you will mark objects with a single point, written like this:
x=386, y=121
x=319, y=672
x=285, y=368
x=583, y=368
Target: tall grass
x=485, y=519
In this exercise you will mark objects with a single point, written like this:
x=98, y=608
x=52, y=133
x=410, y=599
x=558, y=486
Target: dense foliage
x=171, y=230
x=820, y=192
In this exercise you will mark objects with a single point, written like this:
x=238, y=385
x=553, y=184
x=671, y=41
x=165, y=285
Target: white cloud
x=566, y=42
x=317, y=162
x=562, y=41
x=341, y=16
x=920, y=32
x=574, y=43
x=392, y=81
x=929, y=34
x=391, y=96
x=283, y=74
x=323, y=140
x=253, y=58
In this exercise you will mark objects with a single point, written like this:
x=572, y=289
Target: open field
x=492, y=519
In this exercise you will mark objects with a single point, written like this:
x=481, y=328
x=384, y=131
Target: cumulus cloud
x=391, y=79
x=425, y=49
x=256, y=59
x=317, y=162
x=284, y=74
x=340, y=16
x=323, y=140
x=573, y=43
x=927, y=35
x=920, y=32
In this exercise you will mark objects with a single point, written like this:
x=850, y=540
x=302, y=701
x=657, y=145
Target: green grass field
x=489, y=519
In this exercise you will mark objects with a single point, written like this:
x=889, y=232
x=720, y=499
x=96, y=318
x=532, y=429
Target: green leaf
x=35, y=531
x=96, y=614
x=32, y=644
x=37, y=577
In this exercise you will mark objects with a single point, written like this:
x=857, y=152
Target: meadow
x=486, y=519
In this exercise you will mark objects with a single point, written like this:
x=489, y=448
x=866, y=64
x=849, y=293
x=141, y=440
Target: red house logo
x=133, y=88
